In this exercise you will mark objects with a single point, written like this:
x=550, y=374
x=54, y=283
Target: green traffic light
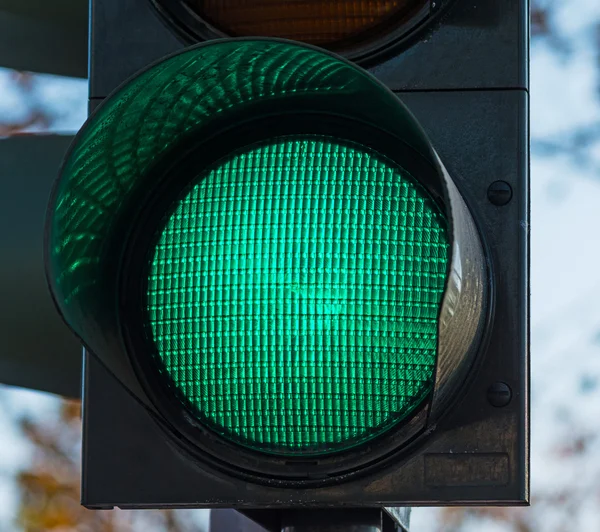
x=293, y=295
x=237, y=236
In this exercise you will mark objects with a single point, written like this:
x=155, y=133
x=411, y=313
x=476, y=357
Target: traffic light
x=44, y=37
x=300, y=271
x=38, y=351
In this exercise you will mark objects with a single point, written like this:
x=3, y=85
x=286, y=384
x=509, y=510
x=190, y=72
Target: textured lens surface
x=321, y=22
x=293, y=295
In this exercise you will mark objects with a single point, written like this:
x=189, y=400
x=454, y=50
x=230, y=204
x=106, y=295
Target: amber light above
x=333, y=23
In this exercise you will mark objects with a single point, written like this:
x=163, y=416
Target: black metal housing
x=475, y=44
x=477, y=454
x=465, y=78
x=387, y=38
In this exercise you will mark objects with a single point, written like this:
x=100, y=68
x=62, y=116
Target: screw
x=499, y=193
x=499, y=394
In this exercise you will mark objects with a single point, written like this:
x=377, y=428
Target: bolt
x=499, y=394
x=499, y=193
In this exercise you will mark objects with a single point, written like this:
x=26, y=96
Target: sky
x=565, y=286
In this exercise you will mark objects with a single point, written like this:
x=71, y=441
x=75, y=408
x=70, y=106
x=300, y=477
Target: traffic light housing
x=305, y=300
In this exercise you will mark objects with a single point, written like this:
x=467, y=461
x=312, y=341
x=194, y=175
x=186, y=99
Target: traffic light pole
x=339, y=520
x=310, y=520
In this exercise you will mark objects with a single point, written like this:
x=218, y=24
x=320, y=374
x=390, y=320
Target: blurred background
x=40, y=434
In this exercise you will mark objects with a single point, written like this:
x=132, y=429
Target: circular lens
x=327, y=23
x=293, y=295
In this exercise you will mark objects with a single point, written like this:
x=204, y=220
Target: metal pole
x=338, y=520
x=232, y=521
x=311, y=520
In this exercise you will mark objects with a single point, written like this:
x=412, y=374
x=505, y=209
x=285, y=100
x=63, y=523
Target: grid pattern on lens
x=321, y=22
x=293, y=295
x=152, y=113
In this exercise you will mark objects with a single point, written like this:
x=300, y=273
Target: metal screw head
x=499, y=193
x=499, y=394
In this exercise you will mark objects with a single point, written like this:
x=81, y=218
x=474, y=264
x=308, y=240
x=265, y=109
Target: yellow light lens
x=331, y=23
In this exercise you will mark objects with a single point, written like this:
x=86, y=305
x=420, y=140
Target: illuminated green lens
x=293, y=295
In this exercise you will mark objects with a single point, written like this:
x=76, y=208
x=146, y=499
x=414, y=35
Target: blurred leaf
x=540, y=24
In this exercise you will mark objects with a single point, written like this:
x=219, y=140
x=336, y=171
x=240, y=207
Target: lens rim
x=202, y=442
x=367, y=47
